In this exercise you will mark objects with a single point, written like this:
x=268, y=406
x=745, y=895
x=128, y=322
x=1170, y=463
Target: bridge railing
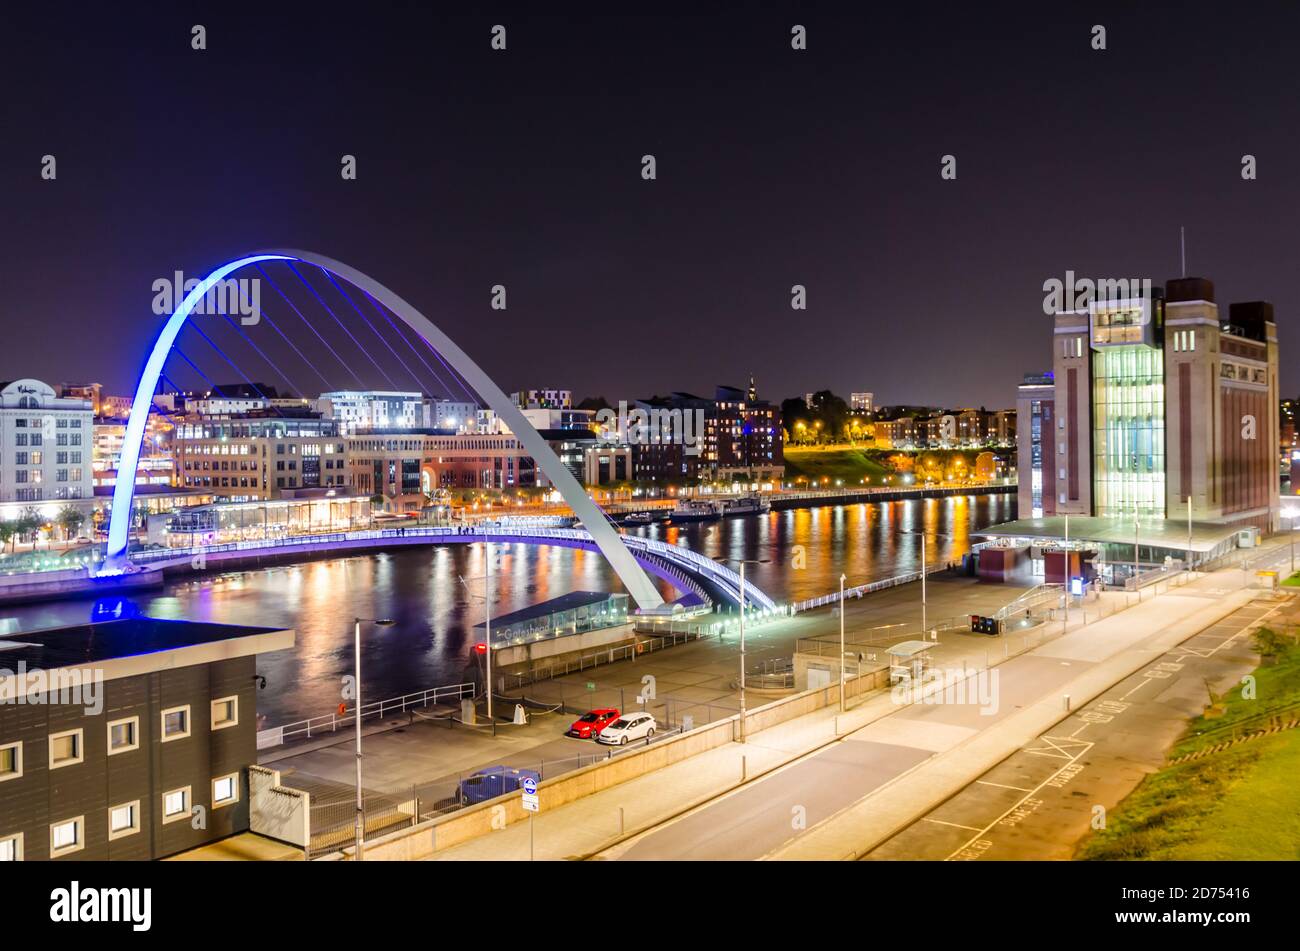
x=717, y=572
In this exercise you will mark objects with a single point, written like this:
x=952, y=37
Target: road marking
x=1058, y=751
x=985, y=782
x=1083, y=748
x=953, y=824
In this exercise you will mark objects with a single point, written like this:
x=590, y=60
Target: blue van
x=492, y=781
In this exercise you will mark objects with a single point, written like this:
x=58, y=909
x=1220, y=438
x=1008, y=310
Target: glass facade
x=1036, y=457
x=1128, y=439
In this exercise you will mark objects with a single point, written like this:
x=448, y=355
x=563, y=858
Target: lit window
x=123, y=735
x=175, y=723
x=67, y=836
x=124, y=820
x=225, y=790
x=65, y=748
x=11, y=761
x=176, y=804
x=225, y=712
x=11, y=848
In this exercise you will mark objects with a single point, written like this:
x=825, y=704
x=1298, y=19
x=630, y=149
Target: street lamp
x=487, y=617
x=924, y=565
x=742, y=562
x=842, y=643
x=356, y=661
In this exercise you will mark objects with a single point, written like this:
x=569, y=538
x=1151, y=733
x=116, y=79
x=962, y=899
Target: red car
x=592, y=722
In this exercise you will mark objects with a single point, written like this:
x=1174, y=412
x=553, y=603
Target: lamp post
x=841, y=643
x=356, y=661
x=742, y=562
x=486, y=598
x=924, y=565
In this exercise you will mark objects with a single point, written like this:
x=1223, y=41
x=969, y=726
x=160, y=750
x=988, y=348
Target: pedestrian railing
x=333, y=722
x=859, y=590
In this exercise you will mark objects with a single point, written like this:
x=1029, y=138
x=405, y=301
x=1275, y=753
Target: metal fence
x=333, y=722
x=862, y=589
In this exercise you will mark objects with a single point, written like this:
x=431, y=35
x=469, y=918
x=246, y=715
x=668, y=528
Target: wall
x=99, y=782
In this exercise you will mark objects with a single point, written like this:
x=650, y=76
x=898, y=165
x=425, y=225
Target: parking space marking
x=1082, y=749
x=1055, y=749
x=985, y=782
x=955, y=825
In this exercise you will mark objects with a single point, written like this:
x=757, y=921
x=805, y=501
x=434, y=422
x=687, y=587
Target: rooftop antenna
x=1182, y=247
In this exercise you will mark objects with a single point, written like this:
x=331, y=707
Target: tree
x=8, y=532
x=70, y=519
x=29, y=521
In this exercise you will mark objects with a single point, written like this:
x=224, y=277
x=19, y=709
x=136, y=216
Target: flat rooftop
x=1168, y=533
x=132, y=646
x=565, y=602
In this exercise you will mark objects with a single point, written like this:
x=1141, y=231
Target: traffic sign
x=529, y=786
x=531, y=803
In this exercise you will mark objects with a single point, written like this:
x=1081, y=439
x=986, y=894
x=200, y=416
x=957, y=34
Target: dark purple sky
x=775, y=168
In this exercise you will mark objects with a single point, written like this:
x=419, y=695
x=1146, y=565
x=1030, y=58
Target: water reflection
x=432, y=642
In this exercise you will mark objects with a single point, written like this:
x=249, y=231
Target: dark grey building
x=128, y=739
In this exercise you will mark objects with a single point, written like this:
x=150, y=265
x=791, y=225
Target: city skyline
x=600, y=263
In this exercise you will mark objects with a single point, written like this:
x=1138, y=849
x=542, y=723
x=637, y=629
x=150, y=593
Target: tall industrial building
x=1153, y=400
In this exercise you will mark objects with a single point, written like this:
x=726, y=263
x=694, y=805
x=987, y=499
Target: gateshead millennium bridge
x=630, y=556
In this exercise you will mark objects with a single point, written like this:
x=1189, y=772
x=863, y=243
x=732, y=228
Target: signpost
x=528, y=790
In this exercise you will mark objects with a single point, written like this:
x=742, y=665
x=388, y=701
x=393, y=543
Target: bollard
x=621, y=825
x=744, y=770
x=1066, y=698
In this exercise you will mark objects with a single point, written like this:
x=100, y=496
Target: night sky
x=775, y=168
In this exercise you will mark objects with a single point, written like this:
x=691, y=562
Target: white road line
x=953, y=824
x=985, y=782
x=982, y=832
x=1080, y=730
x=1141, y=683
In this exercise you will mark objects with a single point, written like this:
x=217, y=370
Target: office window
x=67, y=836
x=124, y=820
x=11, y=761
x=225, y=712
x=176, y=804
x=175, y=723
x=11, y=847
x=66, y=749
x=123, y=735
x=225, y=790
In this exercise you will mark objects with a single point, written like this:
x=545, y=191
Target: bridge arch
x=610, y=543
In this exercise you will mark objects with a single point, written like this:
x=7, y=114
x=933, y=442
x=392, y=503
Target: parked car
x=631, y=726
x=492, y=781
x=592, y=722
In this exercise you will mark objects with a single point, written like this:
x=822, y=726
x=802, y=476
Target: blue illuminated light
x=119, y=525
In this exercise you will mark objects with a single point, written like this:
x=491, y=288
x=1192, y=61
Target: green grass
x=1239, y=803
x=1293, y=581
x=847, y=465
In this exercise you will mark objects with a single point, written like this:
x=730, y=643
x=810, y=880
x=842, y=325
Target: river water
x=804, y=551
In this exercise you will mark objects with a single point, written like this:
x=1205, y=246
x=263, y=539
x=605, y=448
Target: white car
x=630, y=726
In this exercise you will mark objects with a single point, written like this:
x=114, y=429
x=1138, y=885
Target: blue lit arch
x=608, y=540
